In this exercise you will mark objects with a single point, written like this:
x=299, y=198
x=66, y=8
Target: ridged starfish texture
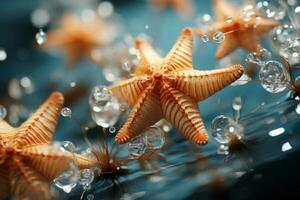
x=27, y=160
x=182, y=7
x=77, y=37
x=244, y=30
x=170, y=88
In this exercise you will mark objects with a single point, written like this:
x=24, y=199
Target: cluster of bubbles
x=273, y=75
x=225, y=128
x=152, y=138
x=73, y=177
x=105, y=109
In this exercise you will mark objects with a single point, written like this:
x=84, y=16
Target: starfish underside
x=170, y=88
x=28, y=162
x=76, y=37
x=240, y=32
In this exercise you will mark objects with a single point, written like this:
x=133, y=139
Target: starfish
x=77, y=37
x=182, y=7
x=170, y=88
x=243, y=30
x=28, y=162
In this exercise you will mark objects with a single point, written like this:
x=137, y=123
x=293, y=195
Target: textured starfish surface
x=243, y=30
x=170, y=88
x=27, y=160
x=78, y=37
x=182, y=7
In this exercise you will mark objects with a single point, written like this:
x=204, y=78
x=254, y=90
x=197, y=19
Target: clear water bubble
x=3, y=112
x=41, y=37
x=67, y=146
x=274, y=77
x=205, y=38
x=154, y=137
x=218, y=37
x=66, y=112
x=86, y=177
x=112, y=129
x=229, y=19
x=237, y=103
x=3, y=54
x=204, y=22
x=105, y=109
x=223, y=127
x=136, y=147
x=67, y=181
x=259, y=58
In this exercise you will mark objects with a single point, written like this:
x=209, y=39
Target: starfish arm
x=227, y=46
x=5, y=127
x=250, y=41
x=265, y=25
x=55, y=39
x=129, y=90
x=145, y=113
x=201, y=84
x=4, y=183
x=182, y=111
x=26, y=183
x=223, y=9
x=180, y=56
x=51, y=162
x=39, y=128
x=148, y=57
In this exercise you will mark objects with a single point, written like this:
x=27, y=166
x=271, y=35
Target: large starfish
x=77, y=37
x=182, y=7
x=27, y=160
x=170, y=88
x=243, y=30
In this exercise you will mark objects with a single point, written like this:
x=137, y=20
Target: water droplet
x=224, y=127
x=237, y=103
x=41, y=37
x=229, y=19
x=66, y=112
x=218, y=37
x=274, y=77
x=259, y=58
x=3, y=112
x=146, y=27
x=67, y=146
x=40, y=17
x=136, y=147
x=3, y=54
x=90, y=197
x=266, y=9
x=205, y=38
x=72, y=84
x=27, y=84
x=68, y=179
x=154, y=137
x=86, y=177
x=105, y=109
x=112, y=129
x=204, y=22
x=247, y=13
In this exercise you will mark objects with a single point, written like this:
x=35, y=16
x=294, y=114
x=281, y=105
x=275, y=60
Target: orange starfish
x=77, y=37
x=242, y=29
x=27, y=161
x=170, y=88
x=183, y=7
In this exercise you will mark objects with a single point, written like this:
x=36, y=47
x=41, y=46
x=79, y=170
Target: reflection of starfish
x=170, y=88
x=27, y=161
x=77, y=37
x=243, y=30
x=183, y=7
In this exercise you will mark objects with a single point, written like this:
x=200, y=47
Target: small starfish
x=243, y=30
x=77, y=37
x=170, y=88
x=182, y=7
x=27, y=160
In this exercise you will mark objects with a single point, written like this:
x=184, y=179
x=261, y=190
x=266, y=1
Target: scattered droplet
x=68, y=179
x=204, y=22
x=72, y=84
x=274, y=77
x=27, y=85
x=112, y=129
x=66, y=112
x=224, y=127
x=41, y=37
x=146, y=26
x=259, y=58
x=154, y=137
x=248, y=12
x=86, y=177
x=105, y=9
x=205, y=38
x=218, y=37
x=3, y=112
x=67, y=146
x=3, y=54
x=90, y=197
x=229, y=19
x=136, y=147
x=40, y=17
